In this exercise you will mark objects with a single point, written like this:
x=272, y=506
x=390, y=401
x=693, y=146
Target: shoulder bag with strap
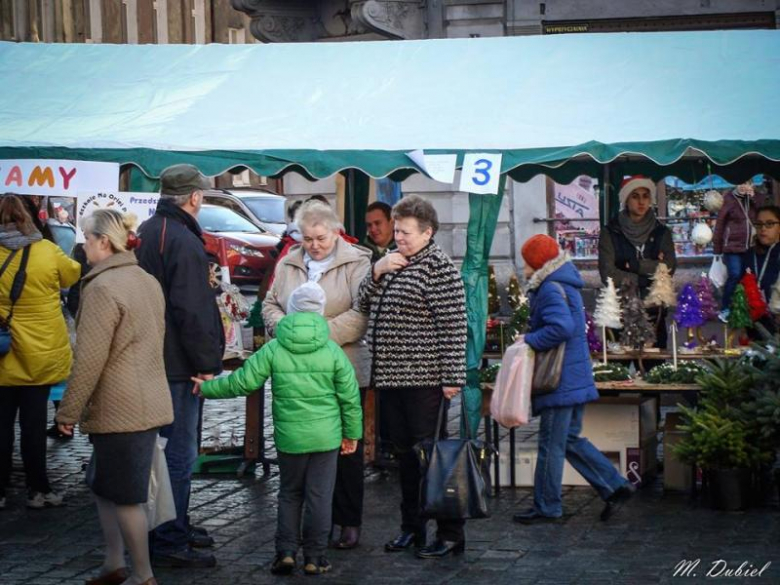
x=16, y=291
x=454, y=473
x=548, y=364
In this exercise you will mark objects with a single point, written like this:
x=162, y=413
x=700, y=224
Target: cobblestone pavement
x=642, y=543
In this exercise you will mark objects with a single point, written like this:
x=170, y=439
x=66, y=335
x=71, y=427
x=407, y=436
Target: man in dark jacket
x=172, y=250
x=379, y=224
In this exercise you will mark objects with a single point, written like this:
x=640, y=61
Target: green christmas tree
x=515, y=294
x=256, y=315
x=494, y=303
x=740, y=311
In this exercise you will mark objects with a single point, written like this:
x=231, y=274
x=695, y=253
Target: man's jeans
x=733, y=264
x=180, y=453
x=559, y=439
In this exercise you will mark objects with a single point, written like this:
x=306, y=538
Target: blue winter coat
x=555, y=320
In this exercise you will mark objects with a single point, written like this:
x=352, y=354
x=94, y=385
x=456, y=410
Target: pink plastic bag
x=511, y=400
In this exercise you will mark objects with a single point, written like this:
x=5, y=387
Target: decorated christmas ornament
x=739, y=315
x=607, y=313
x=232, y=303
x=594, y=342
x=661, y=293
x=637, y=330
x=713, y=201
x=688, y=312
x=494, y=303
x=701, y=235
x=515, y=295
x=708, y=304
x=256, y=315
x=755, y=300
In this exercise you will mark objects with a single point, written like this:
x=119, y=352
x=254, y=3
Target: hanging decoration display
x=701, y=235
x=713, y=201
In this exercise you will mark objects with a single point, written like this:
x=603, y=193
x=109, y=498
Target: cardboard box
x=677, y=475
x=614, y=423
x=624, y=428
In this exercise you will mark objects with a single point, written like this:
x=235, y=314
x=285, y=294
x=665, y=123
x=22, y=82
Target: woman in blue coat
x=557, y=316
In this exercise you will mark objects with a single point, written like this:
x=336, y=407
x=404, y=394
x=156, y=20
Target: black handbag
x=548, y=365
x=454, y=474
x=16, y=291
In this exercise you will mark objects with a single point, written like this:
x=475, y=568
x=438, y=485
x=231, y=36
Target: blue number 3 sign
x=484, y=172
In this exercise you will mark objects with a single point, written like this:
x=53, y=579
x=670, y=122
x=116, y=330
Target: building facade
x=123, y=21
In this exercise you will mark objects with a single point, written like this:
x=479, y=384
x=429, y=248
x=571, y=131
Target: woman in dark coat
x=557, y=316
x=734, y=235
x=417, y=334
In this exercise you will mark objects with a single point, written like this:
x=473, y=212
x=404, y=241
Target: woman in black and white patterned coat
x=417, y=335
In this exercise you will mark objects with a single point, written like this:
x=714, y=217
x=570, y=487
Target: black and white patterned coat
x=417, y=323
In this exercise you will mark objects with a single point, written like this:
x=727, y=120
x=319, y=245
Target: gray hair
x=178, y=200
x=314, y=213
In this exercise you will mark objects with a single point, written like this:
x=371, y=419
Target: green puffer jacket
x=316, y=402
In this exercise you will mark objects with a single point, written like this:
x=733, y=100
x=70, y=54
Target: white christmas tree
x=607, y=313
x=661, y=293
x=774, y=302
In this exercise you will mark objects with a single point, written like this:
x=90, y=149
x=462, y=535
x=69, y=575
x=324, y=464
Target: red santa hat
x=631, y=183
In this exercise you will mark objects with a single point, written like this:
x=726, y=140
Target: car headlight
x=246, y=250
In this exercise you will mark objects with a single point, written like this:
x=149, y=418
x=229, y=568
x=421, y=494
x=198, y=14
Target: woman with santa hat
x=634, y=242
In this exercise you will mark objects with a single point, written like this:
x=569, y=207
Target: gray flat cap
x=182, y=180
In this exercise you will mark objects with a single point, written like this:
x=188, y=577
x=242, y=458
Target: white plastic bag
x=159, y=506
x=511, y=400
x=718, y=272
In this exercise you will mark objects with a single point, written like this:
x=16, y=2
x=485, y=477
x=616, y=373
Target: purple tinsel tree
x=688, y=312
x=594, y=342
x=709, y=307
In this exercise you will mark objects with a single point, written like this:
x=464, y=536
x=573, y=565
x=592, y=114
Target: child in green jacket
x=316, y=413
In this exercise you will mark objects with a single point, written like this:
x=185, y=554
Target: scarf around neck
x=316, y=268
x=12, y=239
x=637, y=232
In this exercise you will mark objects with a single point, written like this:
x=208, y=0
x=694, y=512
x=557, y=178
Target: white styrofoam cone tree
x=774, y=302
x=607, y=313
x=661, y=293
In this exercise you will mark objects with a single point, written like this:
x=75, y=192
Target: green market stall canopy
x=562, y=105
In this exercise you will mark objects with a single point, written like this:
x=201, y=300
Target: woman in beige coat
x=117, y=391
x=324, y=257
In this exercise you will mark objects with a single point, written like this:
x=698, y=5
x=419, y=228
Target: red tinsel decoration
x=755, y=299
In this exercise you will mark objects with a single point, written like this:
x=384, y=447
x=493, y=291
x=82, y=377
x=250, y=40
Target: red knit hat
x=538, y=250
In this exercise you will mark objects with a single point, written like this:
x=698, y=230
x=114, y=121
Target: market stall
x=632, y=104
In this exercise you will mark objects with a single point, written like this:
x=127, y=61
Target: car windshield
x=222, y=219
x=269, y=209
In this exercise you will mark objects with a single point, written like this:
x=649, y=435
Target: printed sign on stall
x=480, y=173
x=143, y=205
x=56, y=177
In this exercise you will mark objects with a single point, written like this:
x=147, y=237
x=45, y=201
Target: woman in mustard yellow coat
x=39, y=354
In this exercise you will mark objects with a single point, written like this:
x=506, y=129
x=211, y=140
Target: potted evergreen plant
x=721, y=438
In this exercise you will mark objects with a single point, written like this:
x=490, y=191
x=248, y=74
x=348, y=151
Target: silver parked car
x=264, y=209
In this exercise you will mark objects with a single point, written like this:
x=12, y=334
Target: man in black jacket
x=172, y=250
